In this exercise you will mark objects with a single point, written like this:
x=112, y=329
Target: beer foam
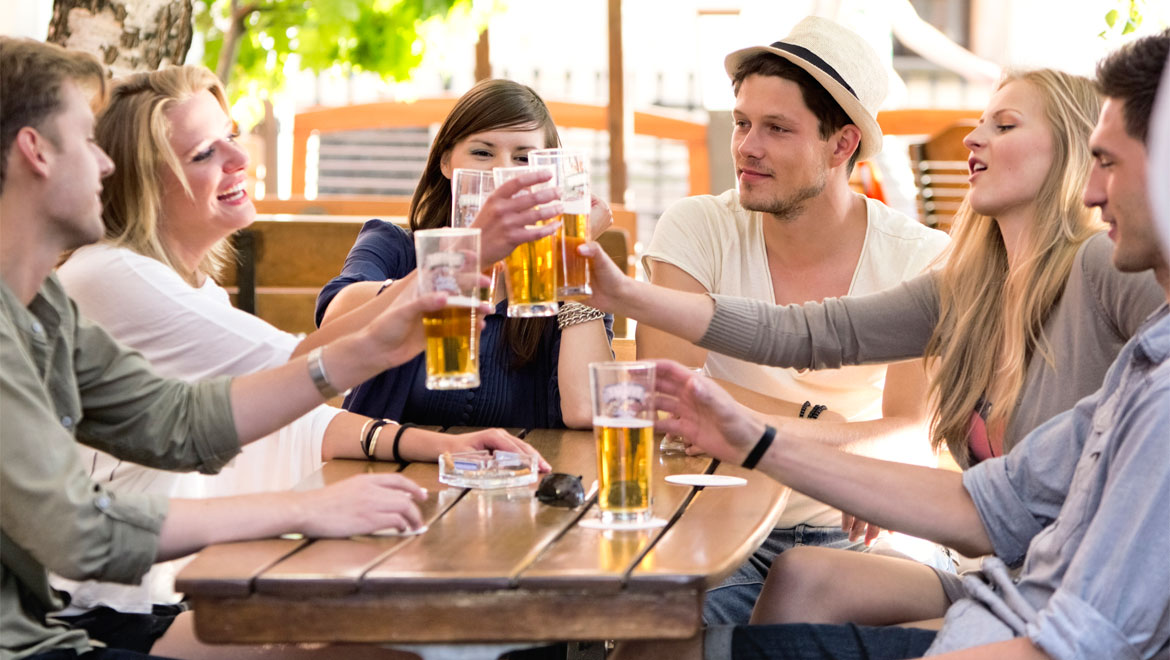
x=623, y=422
x=462, y=301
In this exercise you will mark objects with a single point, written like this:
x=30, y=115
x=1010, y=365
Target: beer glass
x=623, y=426
x=448, y=261
x=571, y=178
x=469, y=190
x=529, y=271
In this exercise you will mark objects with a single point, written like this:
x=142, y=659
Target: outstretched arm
x=920, y=501
x=358, y=505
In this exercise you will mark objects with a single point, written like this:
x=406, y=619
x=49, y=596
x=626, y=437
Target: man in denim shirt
x=1079, y=507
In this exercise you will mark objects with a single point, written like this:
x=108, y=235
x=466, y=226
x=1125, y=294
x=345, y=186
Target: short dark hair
x=1131, y=75
x=31, y=86
x=830, y=115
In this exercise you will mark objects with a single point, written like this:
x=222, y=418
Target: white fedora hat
x=842, y=62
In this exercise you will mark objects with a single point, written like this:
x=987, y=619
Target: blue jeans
x=806, y=641
x=732, y=601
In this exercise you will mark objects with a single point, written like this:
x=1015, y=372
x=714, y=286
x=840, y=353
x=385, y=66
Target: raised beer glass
x=530, y=271
x=448, y=261
x=469, y=190
x=571, y=178
x=623, y=426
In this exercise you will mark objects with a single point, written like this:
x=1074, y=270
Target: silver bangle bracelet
x=317, y=373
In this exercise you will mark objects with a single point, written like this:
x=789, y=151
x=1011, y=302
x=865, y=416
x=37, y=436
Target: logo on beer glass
x=443, y=268
x=624, y=401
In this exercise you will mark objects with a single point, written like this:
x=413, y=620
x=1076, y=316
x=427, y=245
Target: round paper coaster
x=593, y=522
x=706, y=480
x=399, y=532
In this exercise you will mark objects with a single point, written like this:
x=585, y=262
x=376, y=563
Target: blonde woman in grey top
x=1021, y=320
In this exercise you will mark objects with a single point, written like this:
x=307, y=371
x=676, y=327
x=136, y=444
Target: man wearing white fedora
x=1078, y=507
x=794, y=231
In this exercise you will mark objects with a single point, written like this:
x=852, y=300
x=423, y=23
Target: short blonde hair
x=135, y=132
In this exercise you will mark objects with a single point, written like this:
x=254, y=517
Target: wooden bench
x=283, y=263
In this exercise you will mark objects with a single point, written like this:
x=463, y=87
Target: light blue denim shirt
x=1082, y=507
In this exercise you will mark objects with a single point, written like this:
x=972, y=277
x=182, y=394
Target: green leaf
x=1111, y=17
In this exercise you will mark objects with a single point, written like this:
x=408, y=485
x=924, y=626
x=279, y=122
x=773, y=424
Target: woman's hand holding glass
x=396, y=333
x=704, y=414
x=609, y=284
x=509, y=215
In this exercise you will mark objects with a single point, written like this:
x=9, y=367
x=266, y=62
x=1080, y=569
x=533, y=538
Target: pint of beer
x=623, y=426
x=571, y=177
x=469, y=190
x=448, y=261
x=530, y=271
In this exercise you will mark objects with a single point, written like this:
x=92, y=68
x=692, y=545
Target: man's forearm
x=919, y=501
x=192, y=525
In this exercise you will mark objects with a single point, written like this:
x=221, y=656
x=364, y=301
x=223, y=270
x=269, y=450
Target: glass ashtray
x=483, y=469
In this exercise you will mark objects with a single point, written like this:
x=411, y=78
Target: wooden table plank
x=489, y=536
x=335, y=566
x=229, y=569
x=705, y=541
x=450, y=617
x=602, y=559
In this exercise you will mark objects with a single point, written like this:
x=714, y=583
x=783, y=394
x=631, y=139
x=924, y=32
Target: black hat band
x=815, y=60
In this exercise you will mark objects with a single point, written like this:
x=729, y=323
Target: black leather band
x=757, y=452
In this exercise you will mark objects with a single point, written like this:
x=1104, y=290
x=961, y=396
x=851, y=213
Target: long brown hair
x=135, y=132
x=490, y=105
x=992, y=317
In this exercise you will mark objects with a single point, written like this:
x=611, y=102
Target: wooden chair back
x=940, y=173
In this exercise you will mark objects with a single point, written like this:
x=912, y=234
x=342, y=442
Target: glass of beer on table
x=623, y=426
x=469, y=190
x=448, y=261
x=530, y=271
x=571, y=178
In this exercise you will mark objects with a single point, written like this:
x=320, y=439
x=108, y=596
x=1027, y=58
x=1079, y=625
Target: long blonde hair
x=991, y=321
x=135, y=132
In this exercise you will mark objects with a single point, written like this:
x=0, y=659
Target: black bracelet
x=397, y=437
x=762, y=445
x=817, y=410
x=804, y=408
x=369, y=435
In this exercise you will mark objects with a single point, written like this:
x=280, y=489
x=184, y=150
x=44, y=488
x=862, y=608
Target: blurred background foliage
x=249, y=43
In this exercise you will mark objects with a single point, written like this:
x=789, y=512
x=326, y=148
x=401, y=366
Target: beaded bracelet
x=572, y=313
x=815, y=411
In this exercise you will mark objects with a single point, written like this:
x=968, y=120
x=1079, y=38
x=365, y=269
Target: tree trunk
x=127, y=35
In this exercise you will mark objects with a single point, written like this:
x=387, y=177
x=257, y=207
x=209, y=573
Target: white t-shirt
x=188, y=333
x=720, y=244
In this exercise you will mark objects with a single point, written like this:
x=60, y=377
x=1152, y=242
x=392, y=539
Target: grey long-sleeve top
x=1099, y=310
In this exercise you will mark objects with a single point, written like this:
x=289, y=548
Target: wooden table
x=494, y=566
